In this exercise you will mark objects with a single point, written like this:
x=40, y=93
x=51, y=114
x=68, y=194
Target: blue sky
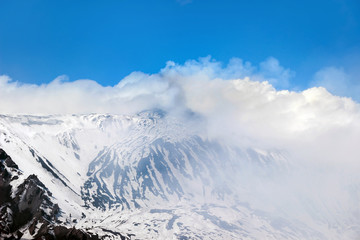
x=107, y=40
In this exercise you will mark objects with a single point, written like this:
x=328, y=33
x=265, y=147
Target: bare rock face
x=8, y=172
x=60, y=232
x=29, y=206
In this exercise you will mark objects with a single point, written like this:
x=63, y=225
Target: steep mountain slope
x=152, y=176
x=26, y=207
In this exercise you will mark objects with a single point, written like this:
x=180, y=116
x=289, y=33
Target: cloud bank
x=239, y=95
x=239, y=102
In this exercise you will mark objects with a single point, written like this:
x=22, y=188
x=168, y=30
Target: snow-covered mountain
x=152, y=176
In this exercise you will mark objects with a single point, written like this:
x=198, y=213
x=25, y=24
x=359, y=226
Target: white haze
x=241, y=106
x=238, y=101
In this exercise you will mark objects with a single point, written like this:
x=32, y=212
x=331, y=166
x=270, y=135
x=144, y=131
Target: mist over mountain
x=136, y=120
x=196, y=151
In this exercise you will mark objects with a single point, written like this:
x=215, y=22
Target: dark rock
x=73, y=233
x=27, y=208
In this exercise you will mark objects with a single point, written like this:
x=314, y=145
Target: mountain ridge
x=151, y=175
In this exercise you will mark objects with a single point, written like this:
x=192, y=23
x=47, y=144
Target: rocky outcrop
x=28, y=208
x=8, y=172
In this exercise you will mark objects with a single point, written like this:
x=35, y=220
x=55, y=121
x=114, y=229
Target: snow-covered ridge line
x=104, y=166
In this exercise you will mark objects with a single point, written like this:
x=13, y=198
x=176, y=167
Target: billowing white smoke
x=241, y=107
x=238, y=101
x=136, y=92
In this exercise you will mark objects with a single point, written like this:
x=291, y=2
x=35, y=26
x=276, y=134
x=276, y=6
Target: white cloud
x=237, y=101
x=275, y=74
x=240, y=106
x=337, y=81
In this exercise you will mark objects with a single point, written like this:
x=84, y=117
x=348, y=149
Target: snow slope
x=152, y=176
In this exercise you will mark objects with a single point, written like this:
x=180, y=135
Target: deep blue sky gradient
x=107, y=40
